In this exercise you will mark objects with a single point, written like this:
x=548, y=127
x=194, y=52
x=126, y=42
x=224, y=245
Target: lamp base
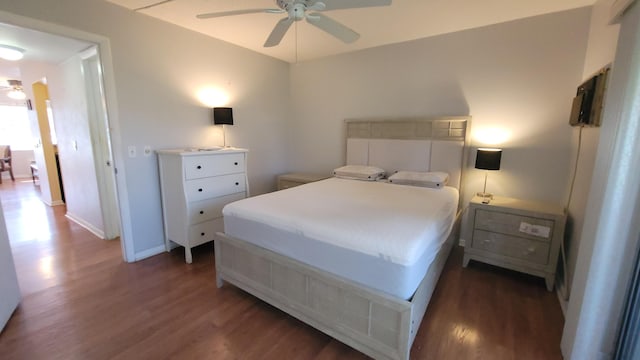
x=485, y=195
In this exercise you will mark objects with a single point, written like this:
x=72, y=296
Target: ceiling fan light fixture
x=11, y=53
x=17, y=94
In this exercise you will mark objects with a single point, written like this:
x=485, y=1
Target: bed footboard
x=373, y=323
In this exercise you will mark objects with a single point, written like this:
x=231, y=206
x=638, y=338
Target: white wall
x=158, y=69
x=518, y=76
x=31, y=72
x=611, y=235
x=20, y=160
x=600, y=52
x=69, y=107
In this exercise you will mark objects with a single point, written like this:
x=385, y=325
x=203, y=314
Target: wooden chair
x=5, y=161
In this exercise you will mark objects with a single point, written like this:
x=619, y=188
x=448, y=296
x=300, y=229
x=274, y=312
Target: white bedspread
x=397, y=223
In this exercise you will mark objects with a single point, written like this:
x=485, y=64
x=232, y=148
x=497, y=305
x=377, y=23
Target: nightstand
x=515, y=234
x=286, y=181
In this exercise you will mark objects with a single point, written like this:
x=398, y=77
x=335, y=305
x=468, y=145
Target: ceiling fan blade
x=152, y=5
x=278, y=32
x=238, y=12
x=333, y=27
x=353, y=4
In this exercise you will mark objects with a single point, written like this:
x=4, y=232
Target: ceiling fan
x=297, y=10
x=14, y=89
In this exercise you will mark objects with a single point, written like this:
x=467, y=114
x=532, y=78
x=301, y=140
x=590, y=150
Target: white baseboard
x=94, y=230
x=563, y=302
x=149, y=252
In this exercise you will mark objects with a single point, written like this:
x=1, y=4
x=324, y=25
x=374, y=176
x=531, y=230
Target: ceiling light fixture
x=11, y=53
x=16, y=92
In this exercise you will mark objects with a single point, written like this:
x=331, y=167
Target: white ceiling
x=38, y=46
x=404, y=20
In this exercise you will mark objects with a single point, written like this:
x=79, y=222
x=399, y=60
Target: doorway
x=82, y=127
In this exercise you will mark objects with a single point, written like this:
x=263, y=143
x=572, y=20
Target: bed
x=330, y=261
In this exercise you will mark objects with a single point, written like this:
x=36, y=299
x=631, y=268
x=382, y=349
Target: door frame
x=118, y=175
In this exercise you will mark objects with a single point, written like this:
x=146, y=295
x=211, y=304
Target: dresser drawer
x=201, y=189
x=196, y=167
x=204, y=232
x=510, y=224
x=511, y=246
x=209, y=209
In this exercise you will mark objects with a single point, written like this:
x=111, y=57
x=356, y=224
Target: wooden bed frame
x=377, y=324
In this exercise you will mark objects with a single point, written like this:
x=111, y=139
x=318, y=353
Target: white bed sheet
x=378, y=234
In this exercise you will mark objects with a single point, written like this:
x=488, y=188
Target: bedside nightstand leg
x=465, y=260
x=549, y=280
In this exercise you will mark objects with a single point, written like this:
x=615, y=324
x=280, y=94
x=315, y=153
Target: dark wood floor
x=81, y=301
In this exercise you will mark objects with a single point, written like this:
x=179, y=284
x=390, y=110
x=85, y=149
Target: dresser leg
x=187, y=255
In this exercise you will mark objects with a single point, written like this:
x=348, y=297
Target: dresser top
x=201, y=151
x=512, y=203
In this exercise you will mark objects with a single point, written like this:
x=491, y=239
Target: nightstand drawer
x=511, y=246
x=510, y=224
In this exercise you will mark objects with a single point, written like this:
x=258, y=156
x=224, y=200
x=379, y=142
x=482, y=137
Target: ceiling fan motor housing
x=296, y=8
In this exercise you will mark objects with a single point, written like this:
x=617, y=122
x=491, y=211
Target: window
x=14, y=127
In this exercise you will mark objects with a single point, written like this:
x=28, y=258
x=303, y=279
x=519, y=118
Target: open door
x=8, y=280
x=100, y=137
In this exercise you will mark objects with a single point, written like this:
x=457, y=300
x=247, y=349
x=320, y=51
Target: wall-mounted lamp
x=223, y=116
x=487, y=159
x=11, y=53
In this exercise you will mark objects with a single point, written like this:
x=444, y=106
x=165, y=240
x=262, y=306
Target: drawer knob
x=199, y=167
x=235, y=163
x=237, y=183
x=201, y=234
x=200, y=190
x=201, y=212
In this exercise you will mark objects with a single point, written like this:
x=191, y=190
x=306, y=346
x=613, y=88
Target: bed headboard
x=415, y=144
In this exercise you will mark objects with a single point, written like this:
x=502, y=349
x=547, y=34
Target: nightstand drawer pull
x=201, y=212
x=200, y=190
x=201, y=234
x=199, y=167
x=235, y=163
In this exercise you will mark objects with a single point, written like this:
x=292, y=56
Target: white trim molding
x=618, y=8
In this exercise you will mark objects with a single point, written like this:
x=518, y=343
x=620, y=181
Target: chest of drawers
x=515, y=234
x=195, y=186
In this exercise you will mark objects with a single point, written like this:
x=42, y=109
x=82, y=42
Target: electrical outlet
x=147, y=150
x=132, y=151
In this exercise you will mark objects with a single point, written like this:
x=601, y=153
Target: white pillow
x=434, y=180
x=359, y=172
